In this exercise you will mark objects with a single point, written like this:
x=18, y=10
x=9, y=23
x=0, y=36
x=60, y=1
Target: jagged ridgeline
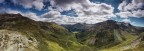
x=18, y=33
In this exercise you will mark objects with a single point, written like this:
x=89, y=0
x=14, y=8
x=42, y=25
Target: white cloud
x=62, y=5
x=86, y=11
x=51, y=14
x=32, y=16
x=136, y=4
x=122, y=5
x=38, y=4
x=83, y=7
x=95, y=10
x=127, y=14
x=138, y=13
x=126, y=20
x=124, y=14
x=55, y=16
x=132, y=9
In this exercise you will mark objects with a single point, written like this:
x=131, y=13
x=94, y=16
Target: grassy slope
x=140, y=46
x=50, y=36
x=129, y=38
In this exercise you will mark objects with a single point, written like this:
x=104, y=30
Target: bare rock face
x=15, y=41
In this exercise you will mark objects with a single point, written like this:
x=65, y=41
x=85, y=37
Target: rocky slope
x=137, y=44
x=107, y=34
x=18, y=33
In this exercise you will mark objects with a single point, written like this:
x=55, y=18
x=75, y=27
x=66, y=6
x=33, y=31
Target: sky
x=77, y=11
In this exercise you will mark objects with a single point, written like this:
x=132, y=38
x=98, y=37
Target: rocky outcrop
x=15, y=41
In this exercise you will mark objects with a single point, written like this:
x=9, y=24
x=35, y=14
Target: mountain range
x=19, y=33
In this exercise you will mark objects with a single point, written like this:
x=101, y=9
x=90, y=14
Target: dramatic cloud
x=83, y=7
x=96, y=10
x=86, y=11
x=68, y=4
x=122, y=5
x=52, y=14
x=74, y=11
x=138, y=13
x=55, y=16
x=38, y=4
x=131, y=9
x=124, y=14
x=127, y=14
x=136, y=4
x=32, y=15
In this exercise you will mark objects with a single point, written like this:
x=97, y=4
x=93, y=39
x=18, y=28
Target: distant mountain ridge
x=112, y=23
x=78, y=26
x=108, y=34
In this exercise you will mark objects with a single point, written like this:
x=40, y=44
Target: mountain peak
x=114, y=24
x=12, y=17
x=110, y=21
